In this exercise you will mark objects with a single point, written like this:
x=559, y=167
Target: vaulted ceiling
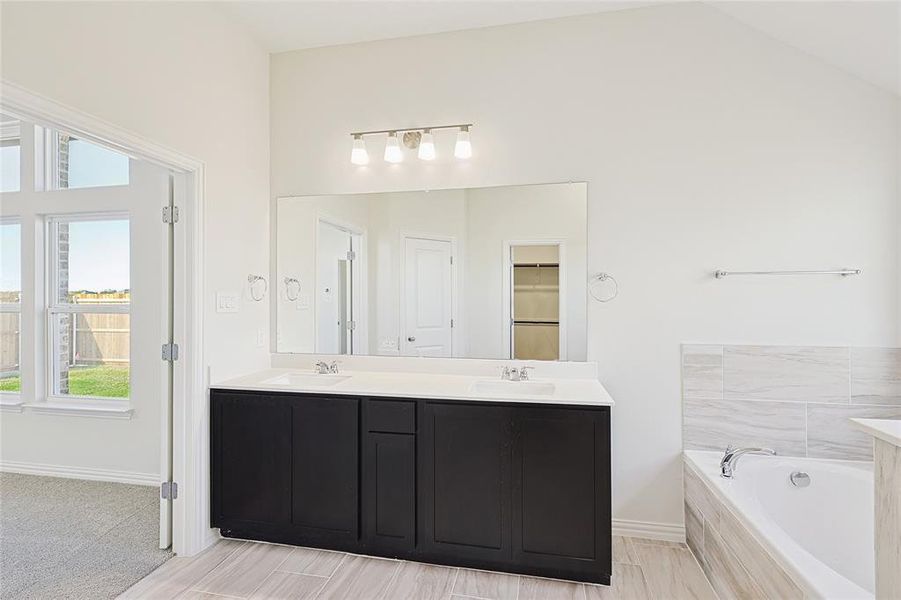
x=862, y=37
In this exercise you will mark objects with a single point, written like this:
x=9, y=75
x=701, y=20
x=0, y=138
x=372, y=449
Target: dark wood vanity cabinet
x=499, y=486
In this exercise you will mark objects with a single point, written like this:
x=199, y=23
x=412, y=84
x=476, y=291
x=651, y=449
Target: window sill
x=11, y=402
x=102, y=409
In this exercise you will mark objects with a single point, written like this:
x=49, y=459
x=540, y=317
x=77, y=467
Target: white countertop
x=568, y=391
x=888, y=430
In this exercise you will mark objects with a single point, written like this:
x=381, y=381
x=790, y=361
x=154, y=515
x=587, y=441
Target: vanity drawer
x=391, y=416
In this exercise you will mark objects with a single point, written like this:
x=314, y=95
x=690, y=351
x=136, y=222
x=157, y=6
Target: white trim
x=150, y=479
x=11, y=402
x=667, y=532
x=55, y=406
x=191, y=531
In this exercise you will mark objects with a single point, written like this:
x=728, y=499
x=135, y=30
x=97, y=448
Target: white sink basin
x=307, y=380
x=512, y=389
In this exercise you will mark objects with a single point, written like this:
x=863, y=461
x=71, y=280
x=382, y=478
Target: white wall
x=704, y=144
x=184, y=76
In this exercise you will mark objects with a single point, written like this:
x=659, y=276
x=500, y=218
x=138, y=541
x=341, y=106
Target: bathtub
x=821, y=535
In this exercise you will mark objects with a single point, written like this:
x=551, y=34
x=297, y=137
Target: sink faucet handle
x=333, y=367
x=506, y=373
x=524, y=373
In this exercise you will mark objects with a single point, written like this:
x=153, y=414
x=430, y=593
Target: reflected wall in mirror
x=493, y=272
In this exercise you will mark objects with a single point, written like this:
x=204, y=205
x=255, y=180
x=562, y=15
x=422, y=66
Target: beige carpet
x=67, y=538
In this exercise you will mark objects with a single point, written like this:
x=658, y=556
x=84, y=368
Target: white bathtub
x=821, y=535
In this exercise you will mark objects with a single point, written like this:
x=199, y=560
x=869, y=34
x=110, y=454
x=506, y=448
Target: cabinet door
x=251, y=459
x=325, y=467
x=464, y=481
x=389, y=491
x=561, y=490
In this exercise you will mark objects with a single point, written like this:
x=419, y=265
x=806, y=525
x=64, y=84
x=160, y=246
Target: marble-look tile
x=694, y=529
x=289, y=586
x=786, y=373
x=486, y=584
x=714, y=424
x=673, y=573
x=831, y=435
x=702, y=371
x=361, y=578
x=623, y=551
x=655, y=542
x=533, y=588
x=178, y=574
x=195, y=595
x=700, y=497
x=887, y=474
x=242, y=572
x=725, y=571
x=308, y=561
x=767, y=574
x=876, y=375
x=417, y=580
x=628, y=583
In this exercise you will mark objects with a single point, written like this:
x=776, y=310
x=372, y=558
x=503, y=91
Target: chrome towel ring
x=292, y=283
x=596, y=282
x=254, y=280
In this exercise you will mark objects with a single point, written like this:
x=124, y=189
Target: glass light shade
x=393, y=152
x=358, y=155
x=463, y=148
x=427, y=146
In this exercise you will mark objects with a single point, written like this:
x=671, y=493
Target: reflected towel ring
x=289, y=282
x=253, y=280
x=598, y=279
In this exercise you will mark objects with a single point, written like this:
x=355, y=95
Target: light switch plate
x=227, y=302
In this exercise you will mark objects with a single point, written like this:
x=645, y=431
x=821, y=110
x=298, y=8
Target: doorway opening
x=535, y=300
x=340, y=289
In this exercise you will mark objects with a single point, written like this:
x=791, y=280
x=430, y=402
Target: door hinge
x=452, y=323
x=351, y=255
x=452, y=259
x=351, y=325
x=170, y=214
x=170, y=352
x=168, y=490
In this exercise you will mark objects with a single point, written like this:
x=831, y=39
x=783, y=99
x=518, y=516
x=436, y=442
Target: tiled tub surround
x=796, y=400
x=756, y=536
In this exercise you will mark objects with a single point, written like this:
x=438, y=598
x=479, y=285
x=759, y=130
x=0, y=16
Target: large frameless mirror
x=493, y=272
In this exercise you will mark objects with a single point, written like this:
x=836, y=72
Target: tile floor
x=642, y=569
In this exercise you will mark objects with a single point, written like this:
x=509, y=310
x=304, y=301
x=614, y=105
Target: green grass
x=105, y=381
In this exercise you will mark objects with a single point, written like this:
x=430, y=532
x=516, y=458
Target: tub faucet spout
x=730, y=458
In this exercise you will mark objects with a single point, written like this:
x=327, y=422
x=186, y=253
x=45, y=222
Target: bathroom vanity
x=449, y=469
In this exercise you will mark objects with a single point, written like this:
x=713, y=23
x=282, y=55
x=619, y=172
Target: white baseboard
x=649, y=530
x=90, y=474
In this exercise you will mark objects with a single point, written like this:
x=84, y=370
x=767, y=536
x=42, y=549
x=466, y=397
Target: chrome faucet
x=516, y=373
x=730, y=458
x=324, y=368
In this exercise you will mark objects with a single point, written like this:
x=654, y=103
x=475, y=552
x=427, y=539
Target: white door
x=428, y=298
x=151, y=310
x=334, y=289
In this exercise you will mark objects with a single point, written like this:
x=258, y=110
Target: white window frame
x=47, y=155
x=14, y=399
x=11, y=131
x=56, y=307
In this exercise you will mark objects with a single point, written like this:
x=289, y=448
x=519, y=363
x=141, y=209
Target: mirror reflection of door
x=337, y=275
x=428, y=297
x=535, y=302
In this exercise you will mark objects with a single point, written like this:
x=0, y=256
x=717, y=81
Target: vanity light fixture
x=420, y=139
x=463, y=147
x=393, y=152
x=427, y=145
x=358, y=155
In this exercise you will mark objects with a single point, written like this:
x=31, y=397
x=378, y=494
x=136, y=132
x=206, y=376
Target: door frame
x=190, y=432
x=456, y=345
x=507, y=298
x=360, y=342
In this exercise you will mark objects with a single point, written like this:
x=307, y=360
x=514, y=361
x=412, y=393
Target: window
x=89, y=306
x=76, y=163
x=10, y=305
x=10, y=151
